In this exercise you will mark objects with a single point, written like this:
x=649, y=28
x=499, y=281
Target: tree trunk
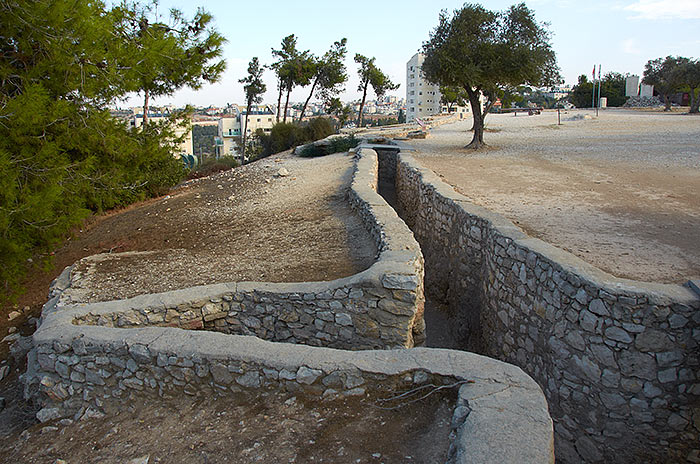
x=279, y=100
x=303, y=110
x=286, y=103
x=362, y=105
x=146, y=95
x=478, y=127
x=667, y=102
x=245, y=131
x=694, y=101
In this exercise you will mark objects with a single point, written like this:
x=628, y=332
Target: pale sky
x=621, y=35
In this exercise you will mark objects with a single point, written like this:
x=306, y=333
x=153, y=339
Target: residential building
x=231, y=128
x=184, y=147
x=422, y=97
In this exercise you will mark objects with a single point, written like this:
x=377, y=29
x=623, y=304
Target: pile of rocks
x=642, y=102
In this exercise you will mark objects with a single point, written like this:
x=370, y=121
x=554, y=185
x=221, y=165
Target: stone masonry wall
x=618, y=359
x=379, y=308
x=87, y=371
x=91, y=359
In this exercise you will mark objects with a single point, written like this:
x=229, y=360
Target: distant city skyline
x=621, y=35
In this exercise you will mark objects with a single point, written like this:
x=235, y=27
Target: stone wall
x=618, y=359
x=91, y=359
x=379, y=308
x=79, y=371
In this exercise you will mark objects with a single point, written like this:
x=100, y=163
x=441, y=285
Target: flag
x=593, y=72
x=598, y=71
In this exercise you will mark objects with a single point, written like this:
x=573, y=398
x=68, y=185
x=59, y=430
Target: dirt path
x=621, y=192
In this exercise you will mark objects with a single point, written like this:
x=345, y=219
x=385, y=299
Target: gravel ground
x=621, y=191
x=246, y=224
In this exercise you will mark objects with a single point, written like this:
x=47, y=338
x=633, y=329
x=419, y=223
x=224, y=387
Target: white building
x=185, y=147
x=422, y=98
x=231, y=128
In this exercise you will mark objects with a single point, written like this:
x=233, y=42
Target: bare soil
x=269, y=428
x=621, y=191
x=246, y=224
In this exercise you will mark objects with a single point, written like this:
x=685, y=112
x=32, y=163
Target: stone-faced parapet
x=500, y=415
x=618, y=359
x=379, y=308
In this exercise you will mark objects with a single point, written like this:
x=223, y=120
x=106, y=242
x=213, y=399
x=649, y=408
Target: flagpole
x=593, y=93
x=600, y=85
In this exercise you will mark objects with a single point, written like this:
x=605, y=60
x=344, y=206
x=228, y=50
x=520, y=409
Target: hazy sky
x=621, y=35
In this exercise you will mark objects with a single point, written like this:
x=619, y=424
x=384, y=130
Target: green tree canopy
x=484, y=52
x=371, y=75
x=293, y=68
x=254, y=88
x=166, y=56
x=329, y=74
x=452, y=96
x=62, y=155
x=690, y=76
x=666, y=75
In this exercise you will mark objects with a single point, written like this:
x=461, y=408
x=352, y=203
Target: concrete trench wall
x=92, y=358
x=617, y=359
x=379, y=308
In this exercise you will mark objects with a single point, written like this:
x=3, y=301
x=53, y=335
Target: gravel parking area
x=621, y=191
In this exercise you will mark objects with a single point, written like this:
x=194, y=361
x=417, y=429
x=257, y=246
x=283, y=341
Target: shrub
x=336, y=145
x=286, y=135
x=212, y=166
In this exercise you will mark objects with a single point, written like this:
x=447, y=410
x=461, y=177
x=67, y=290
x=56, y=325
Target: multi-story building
x=184, y=147
x=231, y=128
x=422, y=97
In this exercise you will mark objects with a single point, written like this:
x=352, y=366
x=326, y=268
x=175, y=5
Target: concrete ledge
x=501, y=413
x=356, y=312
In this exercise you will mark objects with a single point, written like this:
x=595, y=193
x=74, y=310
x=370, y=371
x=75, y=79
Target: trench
x=439, y=324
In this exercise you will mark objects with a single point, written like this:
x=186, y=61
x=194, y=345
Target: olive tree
x=485, y=52
x=666, y=75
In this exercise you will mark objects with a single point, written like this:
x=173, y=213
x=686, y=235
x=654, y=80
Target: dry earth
x=621, y=191
x=270, y=428
x=245, y=224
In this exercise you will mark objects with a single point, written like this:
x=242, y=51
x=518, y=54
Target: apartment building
x=231, y=128
x=422, y=98
x=185, y=147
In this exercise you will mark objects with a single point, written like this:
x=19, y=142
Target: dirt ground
x=621, y=191
x=247, y=224
x=270, y=428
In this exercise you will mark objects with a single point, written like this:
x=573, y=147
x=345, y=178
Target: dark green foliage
x=164, y=57
x=486, y=52
x=62, y=156
x=254, y=88
x=666, y=75
x=612, y=87
x=285, y=135
x=581, y=95
x=371, y=76
x=203, y=139
x=402, y=117
x=690, y=74
x=336, y=145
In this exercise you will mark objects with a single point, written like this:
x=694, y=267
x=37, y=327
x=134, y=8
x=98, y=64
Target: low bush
x=336, y=145
x=212, y=166
x=286, y=135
